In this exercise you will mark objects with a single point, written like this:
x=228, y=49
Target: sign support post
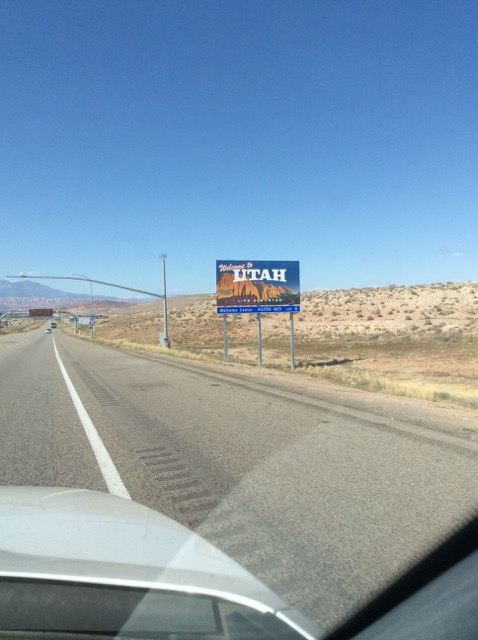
x=259, y=339
x=292, y=350
x=226, y=356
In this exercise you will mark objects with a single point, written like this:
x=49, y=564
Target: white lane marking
x=107, y=467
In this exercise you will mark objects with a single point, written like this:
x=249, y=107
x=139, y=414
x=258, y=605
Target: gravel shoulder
x=455, y=420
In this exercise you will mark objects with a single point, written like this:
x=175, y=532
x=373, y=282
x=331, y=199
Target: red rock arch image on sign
x=247, y=286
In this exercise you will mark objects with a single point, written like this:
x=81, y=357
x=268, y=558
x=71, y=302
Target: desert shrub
x=441, y=395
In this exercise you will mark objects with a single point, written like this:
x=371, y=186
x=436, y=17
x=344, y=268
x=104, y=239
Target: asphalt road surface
x=323, y=502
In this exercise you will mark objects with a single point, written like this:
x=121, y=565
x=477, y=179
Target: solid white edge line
x=107, y=467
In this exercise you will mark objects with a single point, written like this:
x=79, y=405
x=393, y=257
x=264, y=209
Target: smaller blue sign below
x=292, y=308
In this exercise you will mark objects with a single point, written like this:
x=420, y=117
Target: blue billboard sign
x=257, y=286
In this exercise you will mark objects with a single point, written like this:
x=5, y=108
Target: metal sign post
x=259, y=339
x=226, y=357
x=292, y=350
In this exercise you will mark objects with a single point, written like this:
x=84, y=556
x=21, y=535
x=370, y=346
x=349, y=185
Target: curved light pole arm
x=108, y=284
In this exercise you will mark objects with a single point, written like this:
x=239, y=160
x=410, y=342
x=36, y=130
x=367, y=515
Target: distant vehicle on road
x=53, y=325
x=48, y=331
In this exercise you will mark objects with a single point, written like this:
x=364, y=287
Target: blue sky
x=340, y=133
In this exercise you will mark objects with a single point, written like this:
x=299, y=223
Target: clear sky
x=340, y=133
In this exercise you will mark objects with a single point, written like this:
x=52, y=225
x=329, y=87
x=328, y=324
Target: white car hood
x=75, y=534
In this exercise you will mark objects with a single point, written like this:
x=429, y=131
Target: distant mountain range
x=26, y=294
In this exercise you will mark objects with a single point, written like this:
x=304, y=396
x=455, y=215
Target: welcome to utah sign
x=254, y=286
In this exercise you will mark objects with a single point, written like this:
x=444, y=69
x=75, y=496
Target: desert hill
x=419, y=341
x=425, y=310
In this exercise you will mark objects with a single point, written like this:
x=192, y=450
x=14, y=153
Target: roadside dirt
x=459, y=421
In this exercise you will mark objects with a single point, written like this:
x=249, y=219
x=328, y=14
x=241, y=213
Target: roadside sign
x=246, y=286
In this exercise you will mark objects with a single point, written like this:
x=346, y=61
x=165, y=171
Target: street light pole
x=108, y=284
x=7, y=313
x=92, y=315
x=165, y=339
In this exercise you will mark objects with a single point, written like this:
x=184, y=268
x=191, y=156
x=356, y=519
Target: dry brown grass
x=419, y=341
x=20, y=325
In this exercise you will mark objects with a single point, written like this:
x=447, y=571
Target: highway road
x=324, y=503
